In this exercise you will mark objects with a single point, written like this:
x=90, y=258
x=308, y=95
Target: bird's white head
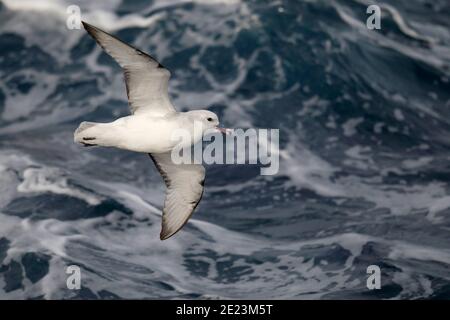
x=208, y=119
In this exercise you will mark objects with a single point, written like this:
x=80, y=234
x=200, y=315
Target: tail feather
x=83, y=126
x=82, y=136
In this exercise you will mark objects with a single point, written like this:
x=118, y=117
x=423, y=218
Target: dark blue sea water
x=364, y=119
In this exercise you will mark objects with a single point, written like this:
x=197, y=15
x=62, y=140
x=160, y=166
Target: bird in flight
x=150, y=126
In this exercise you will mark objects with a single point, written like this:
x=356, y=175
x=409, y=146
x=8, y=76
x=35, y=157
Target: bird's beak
x=224, y=130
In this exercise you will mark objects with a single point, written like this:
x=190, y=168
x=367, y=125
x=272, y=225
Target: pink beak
x=224, y=130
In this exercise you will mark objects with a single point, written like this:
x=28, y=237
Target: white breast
x=144, y=133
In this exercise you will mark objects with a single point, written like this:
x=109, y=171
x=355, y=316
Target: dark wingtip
x=163, y=236
x=94, y=31
x=89, y=27
x=166, y=234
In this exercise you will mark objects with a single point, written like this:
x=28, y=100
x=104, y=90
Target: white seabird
x=149, y=128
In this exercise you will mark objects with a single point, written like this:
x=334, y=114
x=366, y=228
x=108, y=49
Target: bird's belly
x=149, y=135
x=146, y=143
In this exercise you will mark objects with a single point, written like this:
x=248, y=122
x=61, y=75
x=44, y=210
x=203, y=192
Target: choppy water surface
x=364, y=119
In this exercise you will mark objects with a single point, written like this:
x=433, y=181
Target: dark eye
x=209, y=119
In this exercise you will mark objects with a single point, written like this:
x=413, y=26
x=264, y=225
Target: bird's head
x=209, y=120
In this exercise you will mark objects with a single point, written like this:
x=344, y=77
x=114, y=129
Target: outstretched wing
x=146, y=79
x=184, y=184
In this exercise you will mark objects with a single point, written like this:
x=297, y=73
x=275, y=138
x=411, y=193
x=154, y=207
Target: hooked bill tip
x=224, y=130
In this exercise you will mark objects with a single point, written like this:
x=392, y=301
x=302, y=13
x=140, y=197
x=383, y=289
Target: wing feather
x=184, y=184
x=147, y=81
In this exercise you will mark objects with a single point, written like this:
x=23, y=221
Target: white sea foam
x=51, y=180
x=63, y=241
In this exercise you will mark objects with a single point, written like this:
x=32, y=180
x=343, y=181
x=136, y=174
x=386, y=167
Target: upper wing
x=184, y=184
x=146, y=79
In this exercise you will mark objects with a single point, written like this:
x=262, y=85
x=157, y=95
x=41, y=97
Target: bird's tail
x=86, y=134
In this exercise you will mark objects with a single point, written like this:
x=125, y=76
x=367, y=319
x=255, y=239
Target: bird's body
x=153, y=127
x=139, y=133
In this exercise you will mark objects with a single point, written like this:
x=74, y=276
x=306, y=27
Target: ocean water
x=364, y=119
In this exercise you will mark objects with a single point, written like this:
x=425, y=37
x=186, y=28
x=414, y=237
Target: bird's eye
x=209, y=119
